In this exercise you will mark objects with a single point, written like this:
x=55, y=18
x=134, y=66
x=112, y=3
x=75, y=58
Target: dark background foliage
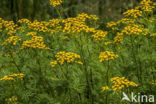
x=41, y=10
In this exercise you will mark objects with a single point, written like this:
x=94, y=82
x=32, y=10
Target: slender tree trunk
x=12, y=10
x=18, y=8
x=100, y=7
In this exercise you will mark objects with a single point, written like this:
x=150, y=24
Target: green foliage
x=73, y=83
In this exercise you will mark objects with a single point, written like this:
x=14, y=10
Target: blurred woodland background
x=41, y=10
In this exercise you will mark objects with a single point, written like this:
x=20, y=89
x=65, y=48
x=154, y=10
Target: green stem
x=107, y=78
x=134, y=57
x=58, y=12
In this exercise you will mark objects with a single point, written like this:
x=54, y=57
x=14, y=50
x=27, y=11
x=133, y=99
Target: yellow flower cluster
x=84, y=16
x=9, y=54
x=35, y=42
x=21, y=29
x=1, y=25
x=111, y=23
x=12, y=100
x=12, y=39
x=24, y=21
x=118, y=38
x=31, y=34
x=77, y=24
x=53, y=63
x=38, y=26
x=6, y=78
x=73, y=26
x=1, y=19
x=10, y=27
x=68, y=57
x=12, y=77
x=153, y=35
x=126, y=20
x=133, y=13
x=146, y=5
x=105, y=88
x=54, y=26
x=135, y=29
x=55, y=3
x=107, y=43
x=99, y=35
x=79, y=62
x=64, y=37
x=153, y=82
x=69, y=25
x=121, y=82
x=55, y=23
x=107, y=55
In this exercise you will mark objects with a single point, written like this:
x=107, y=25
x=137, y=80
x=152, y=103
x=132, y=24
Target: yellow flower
x=35, y=42
x=107, y=43
x=105, y=88
x=121, y=82
x=118, y=38
x=55, y=3
x=133, y=13
x=107, y=55
x=110, y=24
x=10, y=27
x=9, y=54
x=153, y=82
x=153, y=35
x=12, y=77
x=53, y=63
x=126, y=20
x=79, y=62
x=68, y=57
x=146, y=5
x=31, y=33
x=38, y=26
x=24, y=21
x=64, y=37
x=12, y=100
x=77, y=24
x=135, y=29
x=1, y=25
x=12, y=39
x=99, y=35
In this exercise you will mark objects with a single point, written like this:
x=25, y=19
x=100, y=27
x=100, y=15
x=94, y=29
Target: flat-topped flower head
x=107, y=55
x=12, y=39
x=121, y=82
x=146, y=5
x=135, y=13
x=105, y=88
x=55, y=3
x=35, y=42
x=66, y=57
x=135, y=29
x=99, y=35
x=12, y=77
x=118, y=38
x=31, y=34
x=69, y=57
x=78, y=24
